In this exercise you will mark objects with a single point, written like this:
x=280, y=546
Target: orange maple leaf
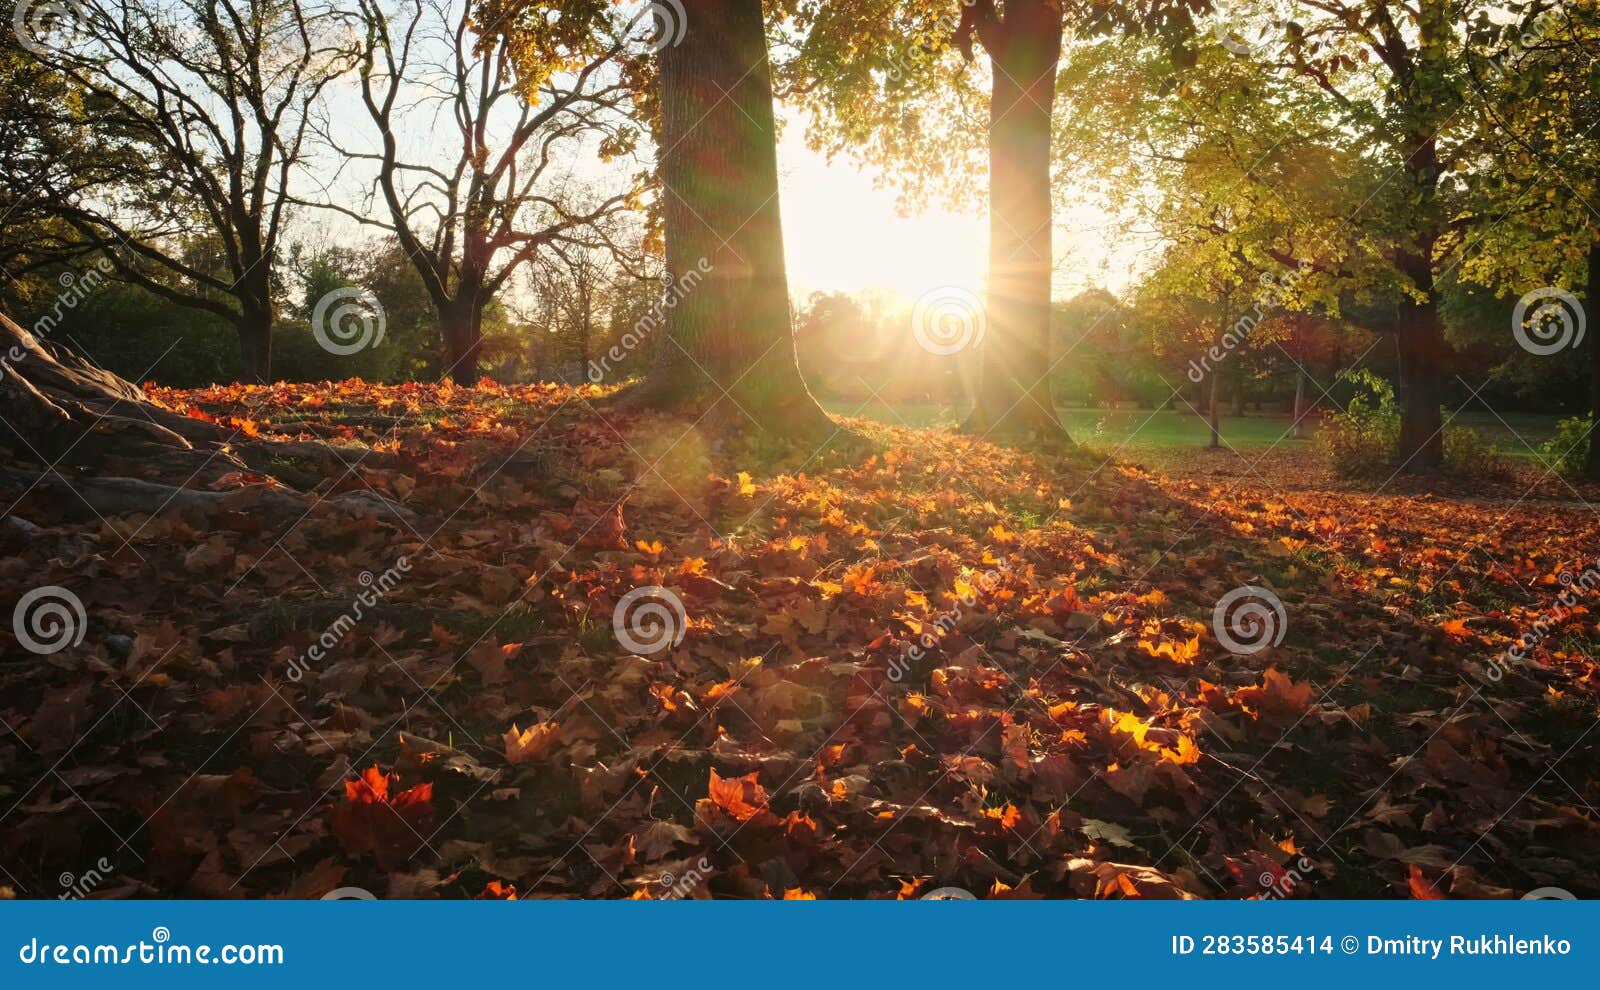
x=1149, y=738
x=1007, y=817
x=527, y=745
x=1178, y=652
x=740, y=797
x=1276, y=695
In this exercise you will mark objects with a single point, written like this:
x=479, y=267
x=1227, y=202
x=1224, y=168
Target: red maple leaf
x=371, y=822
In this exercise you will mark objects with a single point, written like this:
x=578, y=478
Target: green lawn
x=1169, y=429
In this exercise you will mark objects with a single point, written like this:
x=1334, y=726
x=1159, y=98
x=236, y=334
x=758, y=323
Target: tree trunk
x=1423, y=356
x=1213, y=413
x=728, y=325
x=1299, y=405
x=1423, y=351
x=1013, y=393
x=585, y=334
x=255, y=344
x=461, y=326
x=1591, y=466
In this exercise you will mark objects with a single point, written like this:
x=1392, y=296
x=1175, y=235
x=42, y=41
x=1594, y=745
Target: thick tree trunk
x=729, y=339
x=1013, y=394
x=1424, y=355
x=461, y=327
x=1591, y=467
x=255, y=344
x=256, y=313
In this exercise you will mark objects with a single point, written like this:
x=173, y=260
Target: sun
x=844, y=234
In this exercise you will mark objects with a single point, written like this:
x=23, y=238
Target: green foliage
x=1478, y=325
x=1360, y=441
x=1540, y=68
x=1110, y=354
x=141, y=337
x=1470, y=454
x=1568, y=450
x=43, y=117
x=409, y=348
x=297, y=357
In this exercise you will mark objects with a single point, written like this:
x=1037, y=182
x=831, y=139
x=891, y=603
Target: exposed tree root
x=97, y=444
x=88, y=497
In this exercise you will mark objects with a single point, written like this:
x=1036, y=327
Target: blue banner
x=793, y=944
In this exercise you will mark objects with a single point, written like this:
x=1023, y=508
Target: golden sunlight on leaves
x=888, y=684
x=533, y=743
x=740, y=797
x=1178, y=651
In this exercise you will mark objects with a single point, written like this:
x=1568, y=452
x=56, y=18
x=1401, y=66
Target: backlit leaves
x=897, y=681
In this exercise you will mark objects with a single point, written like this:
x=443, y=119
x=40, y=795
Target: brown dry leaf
x=656, y=839
x=489, y=659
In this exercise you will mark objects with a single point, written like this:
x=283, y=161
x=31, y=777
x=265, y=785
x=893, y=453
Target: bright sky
x=843, y=234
